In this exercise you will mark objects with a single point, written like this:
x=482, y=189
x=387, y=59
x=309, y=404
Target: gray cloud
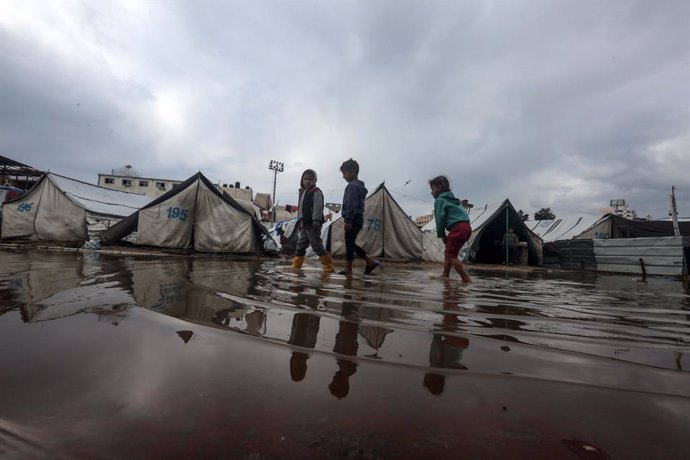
x=553, y=104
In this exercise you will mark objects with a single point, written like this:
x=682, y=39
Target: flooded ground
x=105, y=356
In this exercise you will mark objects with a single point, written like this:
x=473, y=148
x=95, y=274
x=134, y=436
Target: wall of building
x=148, y=186
x=157, y=187
x=238, y=193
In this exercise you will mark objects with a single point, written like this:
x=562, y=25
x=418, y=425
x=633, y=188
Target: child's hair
x=440, y=181
x=350, y=165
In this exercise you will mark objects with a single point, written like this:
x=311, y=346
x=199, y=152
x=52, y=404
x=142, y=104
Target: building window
x=109, y=180
x=127, y=182
x=160, y=185
x=143, y=183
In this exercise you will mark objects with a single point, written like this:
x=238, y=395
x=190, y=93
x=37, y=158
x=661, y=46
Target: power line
x=412, y=197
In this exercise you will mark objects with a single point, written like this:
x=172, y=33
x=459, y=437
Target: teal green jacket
x=448, y=211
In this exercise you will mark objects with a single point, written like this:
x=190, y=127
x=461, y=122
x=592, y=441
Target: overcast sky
x=560, y=104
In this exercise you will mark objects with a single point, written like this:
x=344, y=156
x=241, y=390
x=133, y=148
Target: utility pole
x=674, y=212
x=276, y=167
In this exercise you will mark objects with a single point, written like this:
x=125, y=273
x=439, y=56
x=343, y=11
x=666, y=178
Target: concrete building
x=16, y=174
x=146, y=185
x=421, y=221
x=156, y=187
x=619, y=207
x=235, y=191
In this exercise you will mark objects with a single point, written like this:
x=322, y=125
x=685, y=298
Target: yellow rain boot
x=297, y=262
x=327, y=262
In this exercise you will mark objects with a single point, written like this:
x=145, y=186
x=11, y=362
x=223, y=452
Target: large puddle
x=158, y=357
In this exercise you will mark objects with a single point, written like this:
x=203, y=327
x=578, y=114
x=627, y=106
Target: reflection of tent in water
x=44, y=293
x=194, y=215
x=199, y=291
x=31, y=283
x=374, y=335
x=388, y=232
x=489, y=225
x=58, y=208
x=69, y=305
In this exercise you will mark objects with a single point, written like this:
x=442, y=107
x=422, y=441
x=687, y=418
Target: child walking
x=309, y=222
x=450, y=215
x=353, y=215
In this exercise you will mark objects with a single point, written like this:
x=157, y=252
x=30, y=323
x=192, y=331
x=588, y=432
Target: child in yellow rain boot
x=309, y=222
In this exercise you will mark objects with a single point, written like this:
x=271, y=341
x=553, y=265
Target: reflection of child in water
x=298, y=366
x=305, y=327
x=340, y=385
x=445, y=352
x=345, y=344
x=435, y=383
x=446, y=348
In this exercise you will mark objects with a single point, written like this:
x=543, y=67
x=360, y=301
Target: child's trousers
x=309, y=236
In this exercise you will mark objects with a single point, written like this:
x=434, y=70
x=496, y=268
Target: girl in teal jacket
x=450, y=215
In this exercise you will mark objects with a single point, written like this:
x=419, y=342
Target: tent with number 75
x=193, y=215
x=387, y=232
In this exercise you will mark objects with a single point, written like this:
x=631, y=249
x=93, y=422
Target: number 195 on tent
x=177, y=213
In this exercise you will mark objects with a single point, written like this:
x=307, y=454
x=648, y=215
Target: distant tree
x=523, y=215
x=544, y=214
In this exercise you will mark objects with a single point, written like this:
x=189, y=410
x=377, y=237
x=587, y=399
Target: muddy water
x=156, y=357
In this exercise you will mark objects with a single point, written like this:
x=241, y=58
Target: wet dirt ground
x=112, y=356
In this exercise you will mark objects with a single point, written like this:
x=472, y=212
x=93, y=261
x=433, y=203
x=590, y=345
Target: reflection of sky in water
x=153, y=339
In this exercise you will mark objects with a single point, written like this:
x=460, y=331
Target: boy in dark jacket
x=450, y=215
x=309, y=222
x=353, y=215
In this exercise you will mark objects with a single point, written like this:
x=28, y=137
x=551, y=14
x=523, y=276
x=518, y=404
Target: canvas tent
x=58, y=208
x=561, y=228
x=388, y=232
x=285, y=233
x=489, y=223
x=193, y=215
x=620, y=245
x=611, y=226
x=488, y=229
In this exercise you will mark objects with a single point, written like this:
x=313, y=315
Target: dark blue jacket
x=353, y=200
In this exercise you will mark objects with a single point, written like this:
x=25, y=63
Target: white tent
x=58, y=208
x=193, y=215
x=388, y=232
x=562, y=228
x=619, y=245
x=285, y=233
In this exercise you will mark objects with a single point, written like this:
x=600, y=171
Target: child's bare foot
x=467, y=280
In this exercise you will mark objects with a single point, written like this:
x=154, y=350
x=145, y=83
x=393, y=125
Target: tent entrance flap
x=486, y=242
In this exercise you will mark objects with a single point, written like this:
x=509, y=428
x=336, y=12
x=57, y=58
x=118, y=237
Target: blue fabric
x=353, y=200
